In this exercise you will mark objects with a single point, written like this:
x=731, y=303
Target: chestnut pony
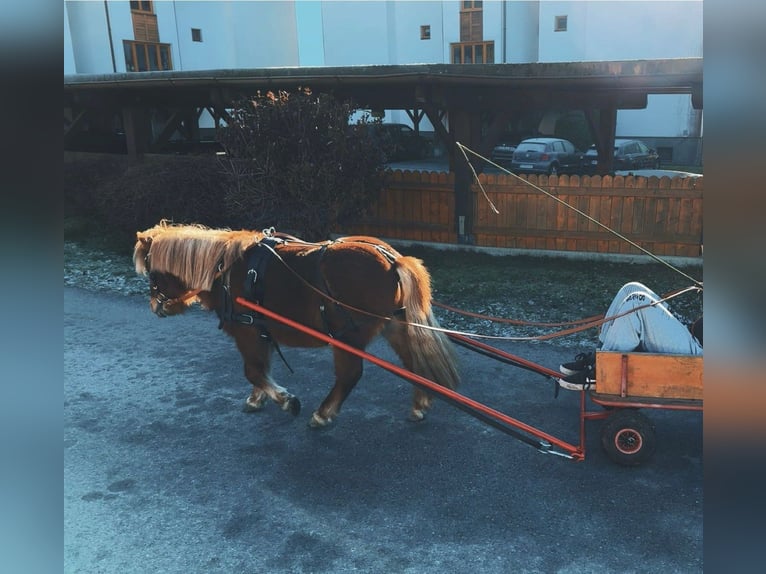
x=352, y=288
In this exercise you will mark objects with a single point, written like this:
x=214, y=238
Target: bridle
x=163, y=301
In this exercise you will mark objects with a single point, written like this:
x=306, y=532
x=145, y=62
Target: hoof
x=416, y=415
x=292, y=405
x=318, y=422
x=253, y=405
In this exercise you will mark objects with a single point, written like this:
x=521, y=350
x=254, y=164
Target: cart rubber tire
x=628, y=437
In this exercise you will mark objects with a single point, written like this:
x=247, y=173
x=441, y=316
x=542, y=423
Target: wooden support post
x=466, y=130
x=136, y=124
x=603, y=130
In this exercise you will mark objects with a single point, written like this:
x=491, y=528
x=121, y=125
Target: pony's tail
x=433, y=355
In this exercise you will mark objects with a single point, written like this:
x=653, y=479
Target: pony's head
x=183, y=261
x=168, y=295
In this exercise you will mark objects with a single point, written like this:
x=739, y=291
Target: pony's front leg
x=256, y=354
x=267, y=388
x=348, y=371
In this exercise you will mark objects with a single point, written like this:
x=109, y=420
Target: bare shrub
x=295, y=163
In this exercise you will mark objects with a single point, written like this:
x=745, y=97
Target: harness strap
x=258, y=260
x=349, y=324
x=318, y=283
x=226, y=313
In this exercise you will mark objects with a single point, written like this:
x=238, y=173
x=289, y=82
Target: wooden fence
x=661, y=215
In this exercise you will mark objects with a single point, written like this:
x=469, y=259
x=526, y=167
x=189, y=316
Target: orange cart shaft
x=483, y=412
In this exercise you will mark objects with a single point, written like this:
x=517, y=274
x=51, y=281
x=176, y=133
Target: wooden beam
x=173, y=123
x=76, y=122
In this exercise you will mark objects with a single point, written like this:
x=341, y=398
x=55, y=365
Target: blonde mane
x=192, y=253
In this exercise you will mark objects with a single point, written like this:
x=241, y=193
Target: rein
x=575, y=326
x=163, y=299
x=581, y=325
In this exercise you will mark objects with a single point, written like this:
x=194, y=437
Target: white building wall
x=175, y=21
x=308, y=16
x=630, y=30
x=451, y=26
x=69, y=65
x=621, y=30
x=406, y=19
x=234, y=34
x=382, y=33
x=355, y=33
x=89, y=37
x=517, y=41
x=121, y=24
x=266, y=34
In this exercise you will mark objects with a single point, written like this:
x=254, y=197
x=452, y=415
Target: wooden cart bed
x=649, y=375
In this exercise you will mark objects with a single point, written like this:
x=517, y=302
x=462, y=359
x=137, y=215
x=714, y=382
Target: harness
x=258, y=258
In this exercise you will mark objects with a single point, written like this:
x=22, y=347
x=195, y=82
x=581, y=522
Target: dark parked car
x=628, y=154
x=551, y=156
x=401, y=142
x=502, y=153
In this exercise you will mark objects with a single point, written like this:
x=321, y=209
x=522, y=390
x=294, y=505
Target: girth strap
x=321, y=282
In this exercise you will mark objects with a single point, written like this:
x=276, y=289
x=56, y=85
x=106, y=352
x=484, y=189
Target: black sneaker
x=582, y=362
x=580, y=381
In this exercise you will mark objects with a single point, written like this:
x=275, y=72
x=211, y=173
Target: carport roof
x=403, y=86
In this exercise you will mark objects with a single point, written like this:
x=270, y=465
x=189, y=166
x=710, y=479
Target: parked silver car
x=545, y=155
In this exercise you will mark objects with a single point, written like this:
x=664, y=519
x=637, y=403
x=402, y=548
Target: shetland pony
x=352, y=288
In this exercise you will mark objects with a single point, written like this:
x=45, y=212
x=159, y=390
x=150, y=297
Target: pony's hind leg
x=348, y=371
x=256, y=354
x=396, y=335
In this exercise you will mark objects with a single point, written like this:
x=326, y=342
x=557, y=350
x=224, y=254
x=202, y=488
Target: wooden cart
x=627, y=382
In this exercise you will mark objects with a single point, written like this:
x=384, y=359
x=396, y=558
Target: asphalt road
x=164, y=472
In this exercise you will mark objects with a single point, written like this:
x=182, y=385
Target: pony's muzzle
x=158, y=308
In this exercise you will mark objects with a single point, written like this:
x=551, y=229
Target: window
x=196, y=35
x=472, y=49
x=141, y=6
x=467, y=54
x=473, y=52
x=425, y=32
x=146, y=56
x=560, y=24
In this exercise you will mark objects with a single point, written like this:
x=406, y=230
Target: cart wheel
x=628, y=437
